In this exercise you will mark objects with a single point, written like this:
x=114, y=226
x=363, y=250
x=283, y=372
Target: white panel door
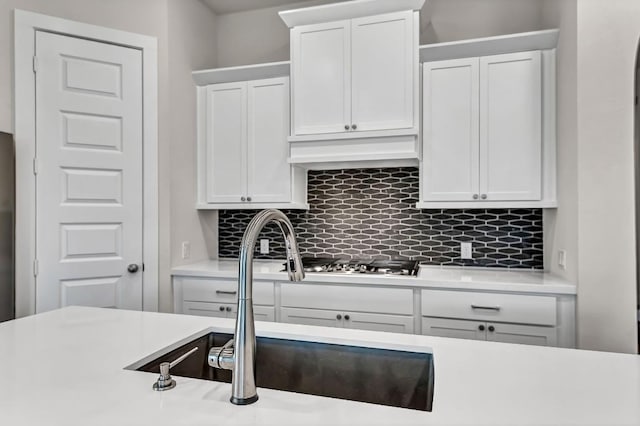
x=319, y=317
x=89, y=182
x=269, y=173
x=459, y=329
x=451, y=152
x=511, y=127
x=379, y=322
x=524, y=334
x=383, y=67
x=321, y=56
x=226, y=142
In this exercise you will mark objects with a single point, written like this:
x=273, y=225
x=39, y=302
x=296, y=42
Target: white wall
x=450, y=20
x=192, y=46
x=607, y=44
x=561, y=224
x=141, y=16
x=260, y=35
x=192, y=28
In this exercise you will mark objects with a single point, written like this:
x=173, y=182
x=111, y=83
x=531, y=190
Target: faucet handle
x=165, y=381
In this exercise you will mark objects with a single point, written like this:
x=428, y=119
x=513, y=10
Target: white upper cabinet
x=511, y=127
x=243, y=148
x=268, y=173
x=489, y=131
x=322, y=78
x=382, y=71
x=226, y=142
x=482, y=129
x=355, y=75
x=450, y=130
x=355, y=84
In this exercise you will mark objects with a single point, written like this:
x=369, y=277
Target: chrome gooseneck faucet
x=239, y=353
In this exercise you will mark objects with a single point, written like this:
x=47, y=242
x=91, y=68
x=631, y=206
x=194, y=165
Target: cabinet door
x=311, y=317
x=206, y=309
x=263, y=313
x=226, y=144
x=511, y=127
x=451, y=151
x=321, y=56
x=525, y=334
x=459, y=329
x=379, y=322
x=383, y=70
x=269, y=173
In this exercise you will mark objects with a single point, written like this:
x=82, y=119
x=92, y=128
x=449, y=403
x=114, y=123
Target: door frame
x=25, y=26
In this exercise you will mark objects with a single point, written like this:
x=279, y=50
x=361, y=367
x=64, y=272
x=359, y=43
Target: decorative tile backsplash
x=371, y=213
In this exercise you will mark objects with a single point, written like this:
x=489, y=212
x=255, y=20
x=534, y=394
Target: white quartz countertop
x=66, y=367
x=485, y=279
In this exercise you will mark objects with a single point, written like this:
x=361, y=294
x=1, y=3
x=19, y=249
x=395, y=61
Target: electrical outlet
x=562, y=259
x=186, y=249
x=466, y=251
x=264, y=246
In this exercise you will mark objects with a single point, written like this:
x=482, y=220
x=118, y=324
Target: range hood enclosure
x=369, y=149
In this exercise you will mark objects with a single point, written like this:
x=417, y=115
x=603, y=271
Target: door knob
x=133, y=268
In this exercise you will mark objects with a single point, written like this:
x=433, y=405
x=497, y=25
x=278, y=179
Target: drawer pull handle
x=231, y=293
x=486, y=308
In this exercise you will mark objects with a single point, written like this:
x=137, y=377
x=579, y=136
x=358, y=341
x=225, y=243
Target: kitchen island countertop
x=66, y=367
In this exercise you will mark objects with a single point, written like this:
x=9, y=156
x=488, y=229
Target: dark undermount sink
x=378, y=376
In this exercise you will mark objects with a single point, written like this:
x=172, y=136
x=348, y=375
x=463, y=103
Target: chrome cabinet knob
x=243, y=199
x=133, y=268
x=354, y=127
x=221, y=308
x=484, y=196
x=248, y=198
x=481, y=328
x=346, y=127
x=339, y=316
x=492, y=328
x=228, y=308
x=347, y=317
x=475, y=196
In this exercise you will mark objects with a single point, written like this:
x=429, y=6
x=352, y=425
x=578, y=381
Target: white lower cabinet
x=497, y=317
x=494, y=332
x=459, y=329
x=220, y=310
x=525, y=334
x=212, y=297
x=534, y=319
x=356, y=320
x=383, y=309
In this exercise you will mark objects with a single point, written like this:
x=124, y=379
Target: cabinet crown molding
x=241, y=73
x=486, y=46
x=346, y=10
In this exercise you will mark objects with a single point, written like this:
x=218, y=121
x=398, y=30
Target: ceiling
x=220, y=7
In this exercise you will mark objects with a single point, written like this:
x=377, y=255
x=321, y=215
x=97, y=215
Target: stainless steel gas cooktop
x=360, y=266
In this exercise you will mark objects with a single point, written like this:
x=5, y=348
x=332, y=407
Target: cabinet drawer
x=224, y=291
x=347, y=298
x=513, y=308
